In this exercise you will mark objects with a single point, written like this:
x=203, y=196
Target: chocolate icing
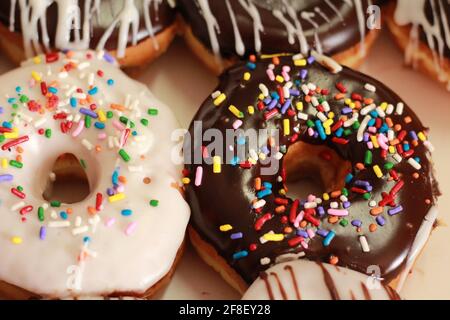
x=336, y=35
x=161, y=18
x=429, y=13
x=225, y=198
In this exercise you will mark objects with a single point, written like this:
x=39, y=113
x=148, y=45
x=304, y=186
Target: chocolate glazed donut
x=238, y=28
x=117, y=26
x=342, y=127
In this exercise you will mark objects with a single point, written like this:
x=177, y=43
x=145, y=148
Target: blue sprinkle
x=241, y=141
x=272, y=104
x=311, y=60
x=348, y=178
x=237, y=235
x=134, y=133
x=42, y=233
x=320, y=211
x=108, y=58
x=63, y=215
x=73, y=102
x=275, y=95
x=322, y=232
x=286, y=106
x=263, y=193
x=11, y=100
x=115, y=178
x=86, y=239
x=1, y=110
x=371, y=122
x=321, y=130
x=329, y=238
x=406, y=146
x=251, y=65
x=413, y=135
x=7, y=125
x=240, y=255
x=267, y=100
x=380, y=220
x=339, y=132
x=18, y=89
x=346, y=204
x=302, y=233
x=346, y=110
x=110, y=82
x=267, y=185
x=294, y=92
x=127, y=212
x=93, y=91
x=110, y=192
x=99, y=125
x=234, y=161
x=303, y=73
x=52, y=90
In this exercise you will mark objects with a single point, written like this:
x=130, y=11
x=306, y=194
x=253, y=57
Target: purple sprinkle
x=346, y=204
x=303, y=73
x=237, y=235
x=413, y=135
x=366, y=137
x=396, y=210
x=265, y=150
x=357, y=223
x=267, y=100
x=6, y=177
x=272, y=104
x=108, y=58
x=347, y=110
x=322, y=232
x=311, y=60
x=42, y=233
x=110, y=192
x=361, y=183
x=88, y=112
x=294, y=92
x=321, y=211
x=380, y=220
x=286, y=106
x=302, y=233
x=316, y=134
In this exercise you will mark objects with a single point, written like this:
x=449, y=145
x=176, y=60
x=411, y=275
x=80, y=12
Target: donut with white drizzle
x=121, y=240
x=342, y=128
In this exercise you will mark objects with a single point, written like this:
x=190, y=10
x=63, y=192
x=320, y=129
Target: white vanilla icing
x=307, y=280
x=413, y=13
x=287, y=12
x=125, y=253
x=33, y=19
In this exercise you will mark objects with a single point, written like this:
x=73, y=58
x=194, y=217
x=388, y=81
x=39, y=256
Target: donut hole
x=313, y=169
x=68, y=181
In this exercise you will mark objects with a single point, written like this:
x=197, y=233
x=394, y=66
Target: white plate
x=183, y=83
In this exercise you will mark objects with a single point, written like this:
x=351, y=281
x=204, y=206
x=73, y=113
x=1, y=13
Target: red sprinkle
x=26, y=210
x=51, y=57
x=261, y=221
x=294, y=209
x=295, y=241
x=44, y=88
x=341, y=87
x=18, y=193
x=15, y=142
x=98, y=201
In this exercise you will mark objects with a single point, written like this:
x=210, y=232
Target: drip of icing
x=211, y=24
x=240, y=48
x=333, y=7
x=308, y=16
x=362, y=26
x=127, y=18
x=148, y=20
x=257, y=24
x=409, y=13
x=12, y=15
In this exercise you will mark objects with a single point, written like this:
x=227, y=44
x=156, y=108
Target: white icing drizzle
x=413, y=13
x=333, y=7
x=33, y=19
x=240, y=48
x=257, y=24
x=362, y=26
x=211, y=24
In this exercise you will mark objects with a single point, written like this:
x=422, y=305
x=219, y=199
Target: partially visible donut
x=221, y=31
x=347, y=131
x=422, y=30
x=136, y=32
x=307, y=280
x=74, y=116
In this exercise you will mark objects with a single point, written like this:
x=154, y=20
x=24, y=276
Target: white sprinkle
x=87, y=144
x=259, y=204
x=265, y=261
x=397, y=157
x=327, y=62
x=278, y=156
x=370, y=87
x=334, y=205
x=59, y=224
x=364, y=111
x=351, y=121
x=400, y=107
x=315, y=101
x=302, y=116
x=326, y=106
x=80, y=230
x=298, y=56
x=305, y=89
x=322, y=117
x=17, y=206
x=286, y=92
x=312, y=86
x=364, y=244
x=71, y=91
x=63, y=75
x=91, y=78
x=78, y=221
x=414, y=163
x=391, y=135
x=390, y=109
x=380, y=112
x=79, y=95
x=52, y=176
x=77, y=118
x=310, y=205
x=83, y=65
x=429, y=146
x=215, y=94
x=53, y=215
x=372, y=203
x=264, y=89
x=362, y=128
x=135, y=168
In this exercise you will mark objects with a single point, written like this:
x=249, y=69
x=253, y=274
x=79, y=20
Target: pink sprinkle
x=79, y=129
x=285, y=76
x=198, y=176
x=237, y=124
x=304, y=245
x=299, y=219
x=120, y=189
x=311, y=132
x=131, y=228
x=382, y=142
x=102, y=136
x=119, y=126
x=286, y=69
x=337, y=212
x=270, y=74
x=109, y=222
x=370, y=145
x=311, y=198
x=311, y=233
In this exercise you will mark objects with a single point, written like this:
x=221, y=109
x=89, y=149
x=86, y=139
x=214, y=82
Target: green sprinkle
x=347, y=132
x=127, y=122
x=125, y=156
x=83, y=164
x=87, y=121
x=55, y=204
x=2, y=138
x=366, y=196
x=15, y=106
x=41, y=214
x=345, y=192
x=20, y=188
x=24, y=99
x=144, y=122
x=343, y=222
x=356, y=125
x=310, y=124
x=368, y=158
x=388, y=165
x=48, y=133
x=152, y=112
x=109, y=114
x=154, y=203
x=17, y=164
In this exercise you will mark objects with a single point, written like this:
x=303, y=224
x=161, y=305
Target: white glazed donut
x=119, y=243
x=307, y=280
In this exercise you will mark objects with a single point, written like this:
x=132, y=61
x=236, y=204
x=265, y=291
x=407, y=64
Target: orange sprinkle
x=308, y=99
x=373, y=227
x=368, y=100
x=376, y=211
x=416, y=175
x=389, y=122
x=333, y=219
x=98, y=148
x=92, y=211
x=360, y=166
x=336, y=194
x=147, y=180
x=407, y=119
x=123, y=179
x=276, y=60
x=115, y=106
x=258, y=184
x=334, y=260
x=252, y=58
x=303, y=224
x=398, y=127
x=69, y=210
x=19, y=158
x=339, y=96
x=287, y=230
x=19, y=149
x=394, y=142
x=280, y=209
x=428, y=201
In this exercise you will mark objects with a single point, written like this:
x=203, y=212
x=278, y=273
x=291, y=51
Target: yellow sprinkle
x=273, y=237
x=4, y=163
x=101, y=115
x=273, y=55
x=252, y=161
x=286, y=127
x=217, y=164
x=300, y=62
x=384, y=106
x=37, y=60
x=236, y=112
x=352, y=105
x=261, y=96
x=251, y=109
x=378, y=171
x=247, y=76
x=328, y=123
x=117, y=197
x=16, y=240
x=327, y=130
x=221, y=98
x=186, y=180
x=422, y=136
x=391, y=149
x=282, y=192
x=279, y=79
x=36, y=76
x=375, y=142
x=299, y=106
x=326, y=196
x=12, y=135
x=348, y=101
x=225, y=227
x=331, y=115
